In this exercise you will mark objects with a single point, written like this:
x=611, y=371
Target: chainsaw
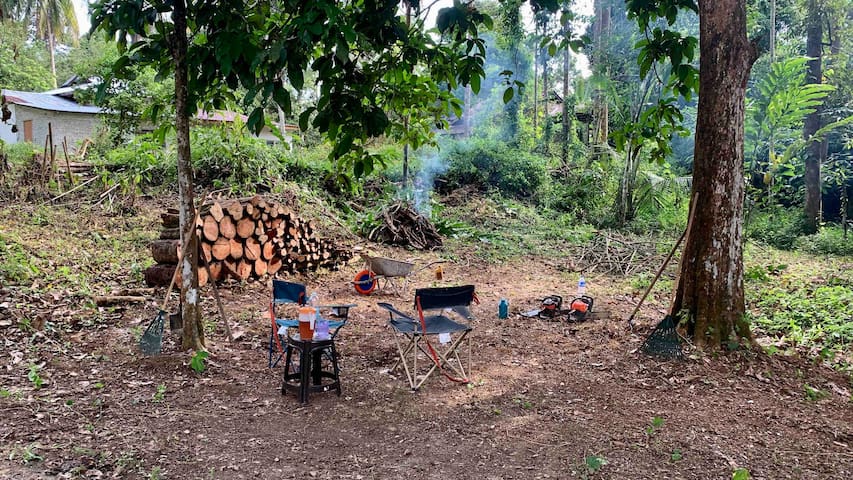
x=552, y=306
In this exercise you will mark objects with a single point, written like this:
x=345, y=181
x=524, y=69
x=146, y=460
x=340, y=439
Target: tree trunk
x=564, y=153
x=193, y=331
x=600, y=107
x=625, y=196
x=709, y=294
x=546, y=110
x=814, y=150
x=536, y=52
x=772, y=31
x=51, y=47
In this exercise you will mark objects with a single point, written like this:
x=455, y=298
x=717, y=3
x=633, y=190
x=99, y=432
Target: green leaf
x=741, y=474
x=256, y=121
x=594, y=463
x=475, y=84
x=197, y=362
x=304, y=117
x=508, y=94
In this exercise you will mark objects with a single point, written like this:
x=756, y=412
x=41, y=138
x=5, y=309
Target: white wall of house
x=75, y=127
x=6, y=133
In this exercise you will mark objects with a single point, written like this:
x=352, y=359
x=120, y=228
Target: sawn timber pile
x=245, y=238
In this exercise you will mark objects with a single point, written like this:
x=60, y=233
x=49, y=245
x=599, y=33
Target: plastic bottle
x=314, y=301
x=503, y=308
x=581, y=286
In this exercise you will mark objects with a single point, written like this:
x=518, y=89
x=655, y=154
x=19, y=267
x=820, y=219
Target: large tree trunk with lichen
x=193, y=331
x=814, y=150
x=564, y=153
x=709, y=294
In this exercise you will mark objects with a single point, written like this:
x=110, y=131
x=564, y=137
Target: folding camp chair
x=294, y=293
x=416, y=336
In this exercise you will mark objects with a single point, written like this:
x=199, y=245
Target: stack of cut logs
x=242, y=239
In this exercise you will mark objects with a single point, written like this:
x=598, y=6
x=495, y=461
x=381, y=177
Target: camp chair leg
x=408, y=349
x=458, y=369
x=270, y=362
x=403, y=361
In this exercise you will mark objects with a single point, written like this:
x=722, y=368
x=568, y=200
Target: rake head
x=664, y=341
x=152, y=340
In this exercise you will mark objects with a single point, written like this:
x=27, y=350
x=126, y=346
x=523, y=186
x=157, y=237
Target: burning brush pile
x=400, y=224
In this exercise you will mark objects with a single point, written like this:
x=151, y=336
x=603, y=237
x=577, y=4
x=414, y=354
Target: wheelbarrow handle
x=429, y=265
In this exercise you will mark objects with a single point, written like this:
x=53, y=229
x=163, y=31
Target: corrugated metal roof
x=45, y=101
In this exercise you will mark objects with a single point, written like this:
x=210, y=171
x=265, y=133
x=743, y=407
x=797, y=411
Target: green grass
x=802, y=302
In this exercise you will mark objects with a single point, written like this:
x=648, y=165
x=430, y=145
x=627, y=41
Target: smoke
x=431, y=166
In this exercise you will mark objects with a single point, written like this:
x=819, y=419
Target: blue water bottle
x=503, y=309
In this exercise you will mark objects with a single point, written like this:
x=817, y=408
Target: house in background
x=25, y=116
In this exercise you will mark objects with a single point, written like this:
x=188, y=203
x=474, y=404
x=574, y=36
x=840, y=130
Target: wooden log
x=216, y=212
x=229, y=268
x=159, y=275
x=206, y=249
x=252, y=249
x=112, y=300
x=261, y=267
x=249, y=209
x=245, y=227
x=227, y=228
x=235, y=248
x=170, y=220
x=165, y=251
x=210, y=229
x=274, y=265
x=220, y=249
x=244, y=269
x=215, y=271
x=234, y=209
x=258, y=202
x=170, y=234
x=203, y=277
x=135, y=292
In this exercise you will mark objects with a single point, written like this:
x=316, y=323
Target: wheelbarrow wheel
x=365, y=282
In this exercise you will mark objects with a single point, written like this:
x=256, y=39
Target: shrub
x=18, y=154
x=829, y=241
x=779, y=229
x=16, y=266
x=142, y=162
x=493, y=164
x=226, y=157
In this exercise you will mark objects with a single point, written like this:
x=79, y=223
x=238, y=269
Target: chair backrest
x=288, y=292
x=444, y=297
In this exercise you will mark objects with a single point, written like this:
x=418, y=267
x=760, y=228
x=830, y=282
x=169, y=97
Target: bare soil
x=546, y=395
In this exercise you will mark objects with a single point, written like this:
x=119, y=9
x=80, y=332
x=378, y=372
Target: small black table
x=310, y=376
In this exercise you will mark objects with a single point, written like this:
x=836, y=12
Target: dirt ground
x=545, y=397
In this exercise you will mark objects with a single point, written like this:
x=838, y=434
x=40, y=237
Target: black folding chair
x=416, y=336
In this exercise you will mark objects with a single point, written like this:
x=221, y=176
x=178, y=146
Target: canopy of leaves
x=368, y=62
x=23, y=63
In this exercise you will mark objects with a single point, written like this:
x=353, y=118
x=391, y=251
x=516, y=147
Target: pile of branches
x=400, y=224
x=614, y=253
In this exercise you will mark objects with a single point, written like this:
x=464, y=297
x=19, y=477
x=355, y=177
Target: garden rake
x=151, y=342
x=664, y=341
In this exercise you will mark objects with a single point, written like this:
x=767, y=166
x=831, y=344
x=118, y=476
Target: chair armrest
x=394, y=311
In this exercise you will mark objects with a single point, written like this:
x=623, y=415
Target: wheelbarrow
x=387, y=269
